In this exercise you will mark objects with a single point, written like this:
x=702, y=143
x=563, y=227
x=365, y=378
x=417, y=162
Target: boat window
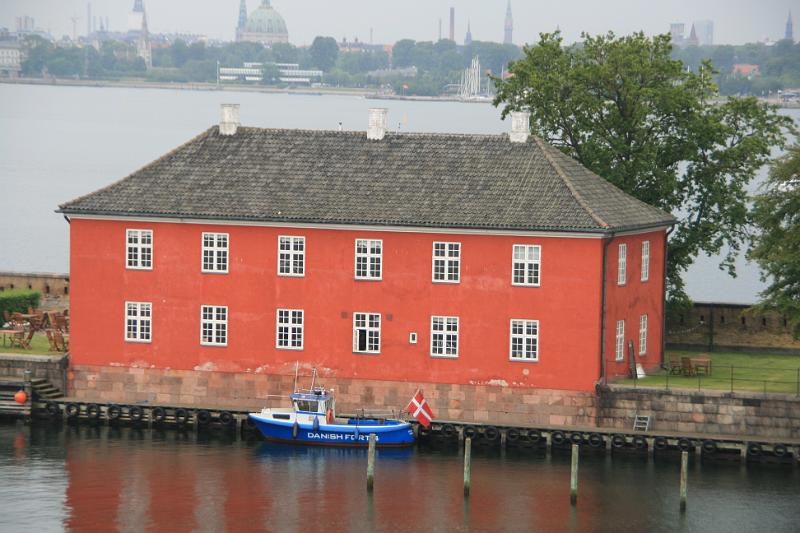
x=306, y=405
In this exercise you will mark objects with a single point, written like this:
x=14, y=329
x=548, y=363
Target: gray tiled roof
x=406, y=179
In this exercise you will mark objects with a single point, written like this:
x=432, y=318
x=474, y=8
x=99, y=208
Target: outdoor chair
x=6, y=316
x=687, y=369
x=675, y=366
x=60, y=322
x=52, y=340
x=61, y=342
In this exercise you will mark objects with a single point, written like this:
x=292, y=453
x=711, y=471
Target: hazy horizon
x=735, y=21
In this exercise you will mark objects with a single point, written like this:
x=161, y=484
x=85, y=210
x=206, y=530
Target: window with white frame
x=366, y=332
x=138, y=321
x=620, y=344
x=444, y=336
x=447, y=262
x=526, y=264
x=290, y=329
x=291, y=255
x=139, y=249
x=369, y=258
x=622, y=264
x=213, y=325
x=643, y=335
x=524, y=344
x=215, y=252
x=645, y=260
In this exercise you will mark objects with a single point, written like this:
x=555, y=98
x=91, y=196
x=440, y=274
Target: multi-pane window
x=645, y=260
x=139, y=249
x=643, y=335
x=447, y=262
x=369, y=258
x=366, y=332
x=291, y=255
x=620, y=345
x=138, y=321
x=524, y=340
x=444, y=336
x=526, y=264
x=290, y=329
x=622, y=264
x=215, y=252
x=214, y=325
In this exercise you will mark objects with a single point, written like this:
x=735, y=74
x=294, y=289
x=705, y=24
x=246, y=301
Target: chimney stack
x=376, y=129
x=229, y=119
x=520, y=126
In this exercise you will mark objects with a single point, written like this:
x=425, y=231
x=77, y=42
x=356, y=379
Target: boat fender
x=595, y=440
x=754, y=449
x=661, y=443
x=639, y=442
x=181, y=416
x=618, y=441
x=357, y=433
x=448, y=430
x=779, y=450
x=685, y=444
x=158, y=414
x=113, y=412
x=558, y=437
x=73, y=410
x=315, y=424
x=93, y=411
x=135, y=413
x=329, y=416
x=423, y=431
x=512, y=435
x=576, y=438
x=53, y=409
x=709, y=446
x=226, y=418
x=250, y=423
x=534, y=435
x=470, y=432
x=491, y=433
x=295, y=430
x=203, y=417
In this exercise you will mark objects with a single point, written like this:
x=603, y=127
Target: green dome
x=266, y=20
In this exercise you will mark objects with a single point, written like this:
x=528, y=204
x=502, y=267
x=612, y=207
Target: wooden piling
x=684, y=467
x=371, y=463
x=573, y=477
x=467, y=465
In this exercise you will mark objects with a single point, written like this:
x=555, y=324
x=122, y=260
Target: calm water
x=100, y=479
x=57, y=143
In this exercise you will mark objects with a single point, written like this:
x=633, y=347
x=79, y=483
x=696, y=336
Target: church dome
x=266, y=21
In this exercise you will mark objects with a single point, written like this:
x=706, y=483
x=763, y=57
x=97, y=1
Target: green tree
x=776, y=243
x=627, y=111
x=180, y=53
x=403, y=53
x=324, y=51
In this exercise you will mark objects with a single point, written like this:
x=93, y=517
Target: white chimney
x=229, y=119
x=376, y=129
x=520, y=126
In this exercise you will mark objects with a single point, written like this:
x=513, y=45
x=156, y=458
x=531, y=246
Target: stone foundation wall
x=685, y=411
x=467, y=403
x=52, y=368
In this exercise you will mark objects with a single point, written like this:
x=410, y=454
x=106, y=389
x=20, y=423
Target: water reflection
x=95, y=478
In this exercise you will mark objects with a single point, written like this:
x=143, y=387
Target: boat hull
x=390, y=433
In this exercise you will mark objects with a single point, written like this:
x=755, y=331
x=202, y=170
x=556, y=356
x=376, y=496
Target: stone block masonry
x=52, y=368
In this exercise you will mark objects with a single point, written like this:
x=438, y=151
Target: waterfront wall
x=52, y=368
x=54, y=288
x=687, y=411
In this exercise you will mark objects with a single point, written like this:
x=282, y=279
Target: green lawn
x=39, y=346
x=750, y=372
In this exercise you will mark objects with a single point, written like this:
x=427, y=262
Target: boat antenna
x=296, y=368
x=313, y=375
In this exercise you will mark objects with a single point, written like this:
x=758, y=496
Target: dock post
x=651, y=446
x=684, y=467
x=467, y=465
x=371, y=463
x=573, y=477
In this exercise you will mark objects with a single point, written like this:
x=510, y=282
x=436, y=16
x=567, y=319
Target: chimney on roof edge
x=520, y=126
x=376, y=130
x=229, y=119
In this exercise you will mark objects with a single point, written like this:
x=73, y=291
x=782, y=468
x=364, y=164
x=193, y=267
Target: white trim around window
x=291, y=256
x=622, y=264
x=367, y=333
x=138, y=321
x=620, y=341
x=289, y=329
x=526, y=264
x=369, y=259
x=214, y=325
x=444, y=336
x=645, y=261
x=214, y=258
x=139, y=249
x=643, y=335
x=523, y=340
x=446, y=262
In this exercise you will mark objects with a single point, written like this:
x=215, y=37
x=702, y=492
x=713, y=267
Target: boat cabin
x=315, y=402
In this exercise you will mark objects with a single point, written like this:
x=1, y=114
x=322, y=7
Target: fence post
x=798, y=381
x=669, y=371
x=731, y=378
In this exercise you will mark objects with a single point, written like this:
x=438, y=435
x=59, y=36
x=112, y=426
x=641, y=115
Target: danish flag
x=419, y=409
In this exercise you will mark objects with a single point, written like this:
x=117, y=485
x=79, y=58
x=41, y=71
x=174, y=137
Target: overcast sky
x=735, y=21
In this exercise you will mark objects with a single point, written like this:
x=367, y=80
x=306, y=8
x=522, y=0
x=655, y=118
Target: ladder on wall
x=641, y=422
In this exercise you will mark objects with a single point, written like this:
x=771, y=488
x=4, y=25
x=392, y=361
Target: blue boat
x=312, y=420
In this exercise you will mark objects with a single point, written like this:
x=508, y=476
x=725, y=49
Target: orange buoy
x=20, y=397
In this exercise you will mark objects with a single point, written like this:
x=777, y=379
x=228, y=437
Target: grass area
x=39, y=346
x=750, y=372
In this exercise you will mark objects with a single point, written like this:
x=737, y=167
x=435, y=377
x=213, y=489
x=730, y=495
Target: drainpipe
x=603, y=309
x=664, y=301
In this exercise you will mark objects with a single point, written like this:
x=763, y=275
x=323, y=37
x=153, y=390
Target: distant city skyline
x=735, y=21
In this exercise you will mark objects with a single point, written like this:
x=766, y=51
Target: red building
x=467, y=260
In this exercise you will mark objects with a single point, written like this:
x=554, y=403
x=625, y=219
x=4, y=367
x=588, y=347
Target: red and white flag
x=420, y=409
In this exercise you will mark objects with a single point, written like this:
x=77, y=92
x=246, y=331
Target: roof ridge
x=197, y=137
x=389, y=133
x=568, y=182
